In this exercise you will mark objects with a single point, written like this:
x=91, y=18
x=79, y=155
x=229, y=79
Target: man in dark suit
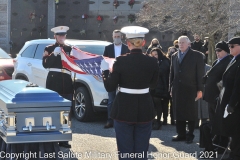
x=197, y=43
x=214, y=75
x=228, y=110
x=187, y=70
x=113, y=51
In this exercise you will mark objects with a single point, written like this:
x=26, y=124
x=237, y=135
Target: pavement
x=91, y=142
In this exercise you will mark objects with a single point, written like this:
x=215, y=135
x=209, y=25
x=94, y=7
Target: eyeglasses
x=218, y=50
x=232, y=46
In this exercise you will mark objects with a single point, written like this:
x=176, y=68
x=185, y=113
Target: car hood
x=6, y=62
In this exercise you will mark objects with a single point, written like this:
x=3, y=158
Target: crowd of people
x=193, y=90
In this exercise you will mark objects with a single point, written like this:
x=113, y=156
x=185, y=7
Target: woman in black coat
x=161, y=93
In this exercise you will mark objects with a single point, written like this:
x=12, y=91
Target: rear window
x=29, y=51
x=94, y=49
x=40, y=51
x=3, y=54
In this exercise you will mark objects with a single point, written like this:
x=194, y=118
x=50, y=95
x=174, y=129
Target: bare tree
x=208, y=18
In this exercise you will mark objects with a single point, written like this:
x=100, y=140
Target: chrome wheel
x=80, y=106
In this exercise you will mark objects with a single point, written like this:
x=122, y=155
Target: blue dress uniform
x=133, y=109
x=58, y=79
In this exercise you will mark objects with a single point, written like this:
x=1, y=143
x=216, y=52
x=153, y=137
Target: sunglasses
x=232, y=46
x=218, y=50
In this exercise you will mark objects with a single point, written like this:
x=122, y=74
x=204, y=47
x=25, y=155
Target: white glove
x=57, y=51
x=104, y=65
x=225, y=113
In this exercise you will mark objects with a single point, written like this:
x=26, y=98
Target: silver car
x=90, y=94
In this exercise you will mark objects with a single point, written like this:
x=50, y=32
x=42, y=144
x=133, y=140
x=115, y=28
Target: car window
x=94, y=49
x=40, y=50
x=3, y=54
x=29, y=51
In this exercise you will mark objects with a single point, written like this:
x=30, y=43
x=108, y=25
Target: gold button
x=104, y=78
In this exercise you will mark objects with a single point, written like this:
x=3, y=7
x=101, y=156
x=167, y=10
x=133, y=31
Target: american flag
x=84, y=63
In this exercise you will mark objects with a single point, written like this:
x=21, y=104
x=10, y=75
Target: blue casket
x=29, y=113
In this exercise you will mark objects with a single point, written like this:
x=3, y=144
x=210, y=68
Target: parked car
x=90, y=94
x=6, y=66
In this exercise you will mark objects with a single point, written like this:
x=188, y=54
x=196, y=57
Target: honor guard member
x=58, y=79
x=133, y=109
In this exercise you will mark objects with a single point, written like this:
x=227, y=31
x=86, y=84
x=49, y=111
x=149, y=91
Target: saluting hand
x=199, y=95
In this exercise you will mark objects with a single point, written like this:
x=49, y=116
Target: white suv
x=90, y=94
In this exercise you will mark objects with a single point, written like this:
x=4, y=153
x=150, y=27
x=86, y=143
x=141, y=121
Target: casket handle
x=39, y=128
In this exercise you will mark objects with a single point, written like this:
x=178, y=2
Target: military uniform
x=61, y=82
x=133, y=109
x=58, y=79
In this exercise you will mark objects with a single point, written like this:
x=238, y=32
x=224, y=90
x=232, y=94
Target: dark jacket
x=186, y=80
x=133, y=71
x=231, y=96
x=212, y=77
x=197, y=45
x=57, y=81
x=109, y=50
x=162, y=89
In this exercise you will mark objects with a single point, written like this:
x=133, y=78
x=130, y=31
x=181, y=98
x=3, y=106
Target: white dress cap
x=134, y=31
x=60, y=30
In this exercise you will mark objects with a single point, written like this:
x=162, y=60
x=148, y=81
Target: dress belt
x=134, y=91
x=60, y=70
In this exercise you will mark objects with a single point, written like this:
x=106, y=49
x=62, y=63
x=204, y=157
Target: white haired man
x=187, y=70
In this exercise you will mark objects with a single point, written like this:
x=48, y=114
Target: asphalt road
x=92, y=142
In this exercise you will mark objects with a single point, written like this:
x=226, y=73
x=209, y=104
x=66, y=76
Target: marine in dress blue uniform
x=133, y=109
x=58, y=78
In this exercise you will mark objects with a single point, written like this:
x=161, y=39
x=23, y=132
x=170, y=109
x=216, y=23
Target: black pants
x=181, y=129
x=235, y=146
x=171, y=110
x=161, y=107
x=211, y=111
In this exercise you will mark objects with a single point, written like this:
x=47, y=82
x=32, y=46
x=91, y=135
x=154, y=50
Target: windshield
x=94, y=49
x=3, y=54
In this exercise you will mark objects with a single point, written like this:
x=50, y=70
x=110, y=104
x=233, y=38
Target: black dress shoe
x=65, y=144
x=108, y=125
x=189, y=139
x=176, y=139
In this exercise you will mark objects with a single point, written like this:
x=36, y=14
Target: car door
x=25, y=62
x=39, y=72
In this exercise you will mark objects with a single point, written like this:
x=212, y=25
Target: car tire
x=83, y=108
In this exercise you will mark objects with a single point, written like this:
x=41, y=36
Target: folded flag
x=84, y=63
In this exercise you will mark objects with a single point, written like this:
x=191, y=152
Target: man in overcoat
x=229, y=101
x=186, y=72
x=214, y=75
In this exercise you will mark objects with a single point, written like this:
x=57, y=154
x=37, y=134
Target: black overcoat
x=212, y=77
x=133, y=71
x=185, y=81
x=231, y=96
x=57, y=81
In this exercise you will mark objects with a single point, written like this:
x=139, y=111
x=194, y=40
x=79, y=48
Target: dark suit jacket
x=133, y=71
x=212, y=77
x=109, y=51
x=186, y=80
